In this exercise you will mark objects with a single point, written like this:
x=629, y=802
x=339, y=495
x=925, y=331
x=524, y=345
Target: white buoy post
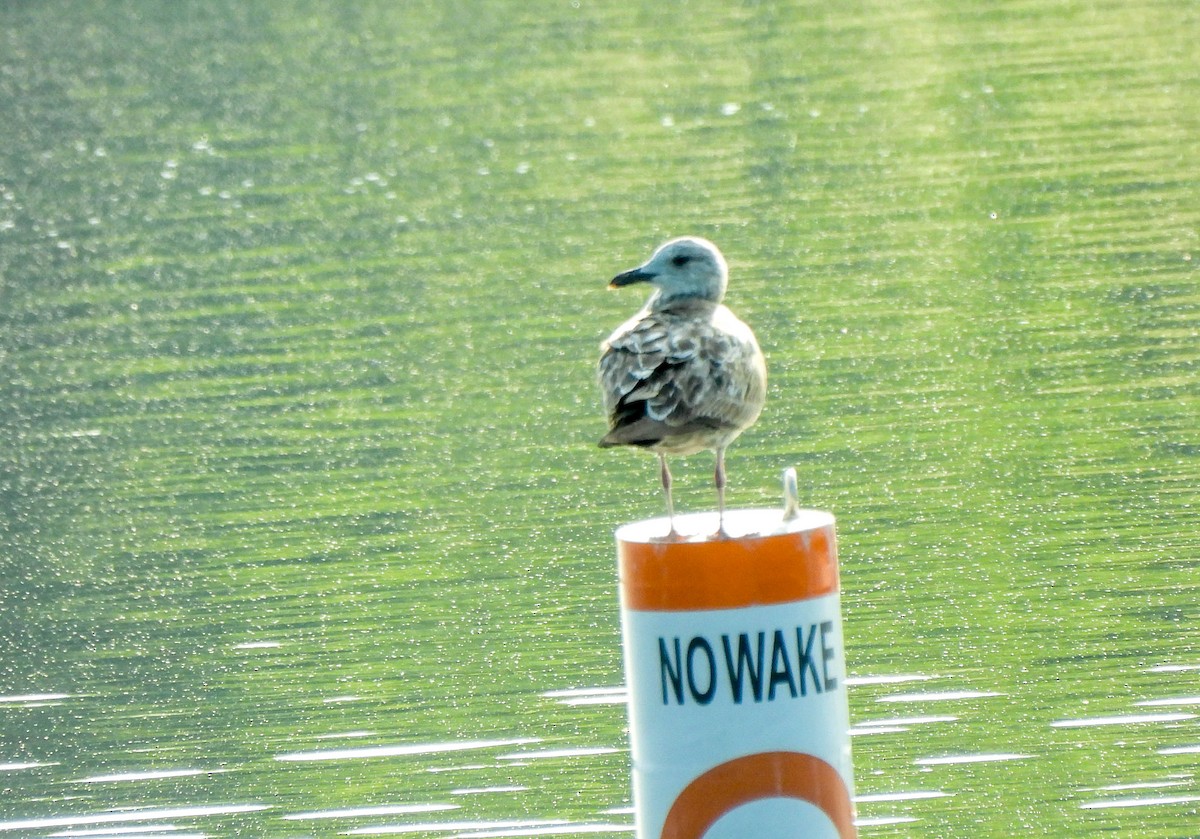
x=734, y=660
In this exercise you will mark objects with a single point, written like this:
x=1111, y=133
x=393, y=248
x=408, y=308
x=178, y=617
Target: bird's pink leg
x=666, y=483
x=719, y=480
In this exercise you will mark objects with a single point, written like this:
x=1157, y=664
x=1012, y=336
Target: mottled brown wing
x=667, y=377
x=726, y=384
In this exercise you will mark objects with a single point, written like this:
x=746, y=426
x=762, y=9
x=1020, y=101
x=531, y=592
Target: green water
x=299, y=308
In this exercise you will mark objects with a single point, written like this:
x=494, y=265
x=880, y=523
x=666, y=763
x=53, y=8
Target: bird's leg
x=719, y=480
x=666, y=483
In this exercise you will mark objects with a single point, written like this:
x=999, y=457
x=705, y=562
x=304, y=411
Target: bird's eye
x=680, y=260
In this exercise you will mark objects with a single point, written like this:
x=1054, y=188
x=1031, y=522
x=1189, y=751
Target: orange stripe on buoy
x=755, y=570
x=756, y=777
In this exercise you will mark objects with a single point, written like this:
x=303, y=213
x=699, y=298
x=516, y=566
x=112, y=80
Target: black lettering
x=827, y=655
x=745, y=665
x=804, y=659
x=705, y=696
x=674, y=674
x=781, y=668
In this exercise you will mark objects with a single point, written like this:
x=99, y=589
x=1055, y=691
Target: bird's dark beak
x=637, y=275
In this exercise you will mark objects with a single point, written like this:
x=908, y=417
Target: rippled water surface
x=303, y=531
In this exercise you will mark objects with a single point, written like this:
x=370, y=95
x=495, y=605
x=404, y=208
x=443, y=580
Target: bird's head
x=684, y=267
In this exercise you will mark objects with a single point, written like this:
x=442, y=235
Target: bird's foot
x=672, y=535
x=722, y=534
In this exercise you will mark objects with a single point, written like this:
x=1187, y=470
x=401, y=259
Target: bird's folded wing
x=662, y=378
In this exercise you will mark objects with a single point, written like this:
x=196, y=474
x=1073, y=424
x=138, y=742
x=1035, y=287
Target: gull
x=684, y=374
